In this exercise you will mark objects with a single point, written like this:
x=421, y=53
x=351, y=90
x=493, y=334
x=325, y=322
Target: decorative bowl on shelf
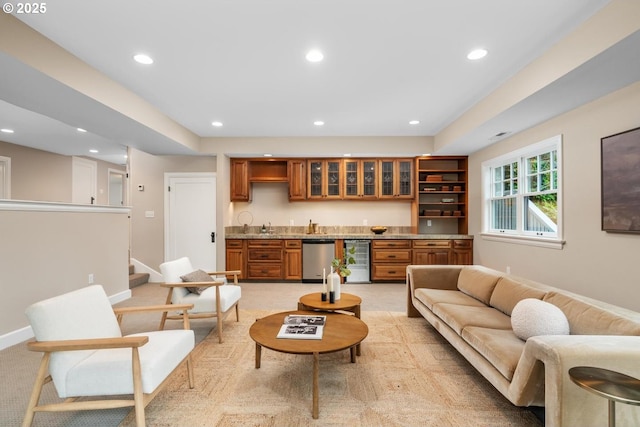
x=378, y=229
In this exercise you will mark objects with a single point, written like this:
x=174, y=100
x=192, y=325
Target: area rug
x=407, y=375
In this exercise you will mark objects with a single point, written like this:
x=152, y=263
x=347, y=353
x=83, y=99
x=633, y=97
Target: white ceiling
x=242, y=62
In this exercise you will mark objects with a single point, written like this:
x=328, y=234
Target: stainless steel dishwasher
x=316, y=255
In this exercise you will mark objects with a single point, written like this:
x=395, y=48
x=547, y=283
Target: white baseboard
x=16, y=337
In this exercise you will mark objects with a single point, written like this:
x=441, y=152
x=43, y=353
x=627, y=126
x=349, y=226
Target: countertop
x=349, y=236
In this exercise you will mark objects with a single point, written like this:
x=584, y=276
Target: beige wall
x=271, y=204
x=593, y=263
x=147, y=234
x=43, y=176
x=47, y=252
x=37, y=174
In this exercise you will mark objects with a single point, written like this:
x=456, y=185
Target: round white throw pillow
x=531, y=317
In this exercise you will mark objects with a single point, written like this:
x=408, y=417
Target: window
x=522, y=195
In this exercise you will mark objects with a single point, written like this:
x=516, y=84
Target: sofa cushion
x=478, y=282
x=499, y=346
x=460, y=316
x=508, y=292
x=594, y=318
x=429, y=297
x=532, y=317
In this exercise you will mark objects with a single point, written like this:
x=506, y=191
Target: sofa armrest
x=566, y=403
x=430, y=276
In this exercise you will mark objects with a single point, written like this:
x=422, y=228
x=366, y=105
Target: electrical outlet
x=365, y=222
x=428, y=223
x=508, y=269
x=91, y=279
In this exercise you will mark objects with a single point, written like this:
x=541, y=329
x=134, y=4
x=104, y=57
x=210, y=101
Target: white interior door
x=84, y=184
x=190, y=218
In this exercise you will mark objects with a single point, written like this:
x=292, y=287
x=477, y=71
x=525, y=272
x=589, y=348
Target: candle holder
x=323, y=296
x=332, y=297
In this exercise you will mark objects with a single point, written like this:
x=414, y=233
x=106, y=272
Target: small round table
x=347, y=302
x=614, y=386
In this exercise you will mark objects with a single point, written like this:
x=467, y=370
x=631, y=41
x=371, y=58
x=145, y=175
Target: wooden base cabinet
x=462, y=252
x=235, y=249
x=268, y=259
x=293, y=260
x=431, y=252
x=264, y=259
x=389, y=259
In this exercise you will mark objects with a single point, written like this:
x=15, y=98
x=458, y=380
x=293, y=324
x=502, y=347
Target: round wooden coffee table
x=341, y=332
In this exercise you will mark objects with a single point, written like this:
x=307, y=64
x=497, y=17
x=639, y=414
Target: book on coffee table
x=302, y=327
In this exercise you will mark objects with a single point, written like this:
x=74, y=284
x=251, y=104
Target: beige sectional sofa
x=471, y=307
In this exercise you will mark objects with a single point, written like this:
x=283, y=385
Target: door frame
x=167, y=177
x=111, y=171
x=6, y=178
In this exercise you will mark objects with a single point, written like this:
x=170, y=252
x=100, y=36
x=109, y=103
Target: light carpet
x=407, y=375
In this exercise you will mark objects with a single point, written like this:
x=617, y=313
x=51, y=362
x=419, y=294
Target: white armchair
x=215, y=298
x=86, y=354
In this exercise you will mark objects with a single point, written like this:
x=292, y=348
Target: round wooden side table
x=614, y=386
x=347, y=302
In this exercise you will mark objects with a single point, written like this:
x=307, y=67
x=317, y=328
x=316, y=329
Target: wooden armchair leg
x=219, y=327
x=190, y=371
x=138, y=396
x=237, y=313
x=37, y=390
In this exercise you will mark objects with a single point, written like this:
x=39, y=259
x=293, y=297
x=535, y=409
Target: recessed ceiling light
x=414, y=122
x=314, y=55
x=267, y=155
x=81, y=130
x=347, y=154
x=6, y=130
x=94, y=151
x=216, y=124
x=141, y=58
x=318, y=123
x=477, y=54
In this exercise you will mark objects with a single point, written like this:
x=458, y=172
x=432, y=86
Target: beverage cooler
x=361, y=270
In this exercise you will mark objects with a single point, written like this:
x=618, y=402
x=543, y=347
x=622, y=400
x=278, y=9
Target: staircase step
x=137, y=279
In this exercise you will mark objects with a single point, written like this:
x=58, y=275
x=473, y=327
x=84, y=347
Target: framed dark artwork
x=620, y=154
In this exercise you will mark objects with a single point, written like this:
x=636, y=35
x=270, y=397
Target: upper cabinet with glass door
x=360, y=179
x=324, y=179
x=396, y=179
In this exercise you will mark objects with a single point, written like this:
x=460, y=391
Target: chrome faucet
x=270, y=230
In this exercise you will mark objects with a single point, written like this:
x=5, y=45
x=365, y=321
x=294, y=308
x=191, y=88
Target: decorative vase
x=334, y=283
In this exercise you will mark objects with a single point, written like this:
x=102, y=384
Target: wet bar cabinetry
x=360, y=179
x=272, y=258
x=389, y=259
x=324, y=179
x=369, y=179
x=265, y=260
x=441, y=204
x=396, y=179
